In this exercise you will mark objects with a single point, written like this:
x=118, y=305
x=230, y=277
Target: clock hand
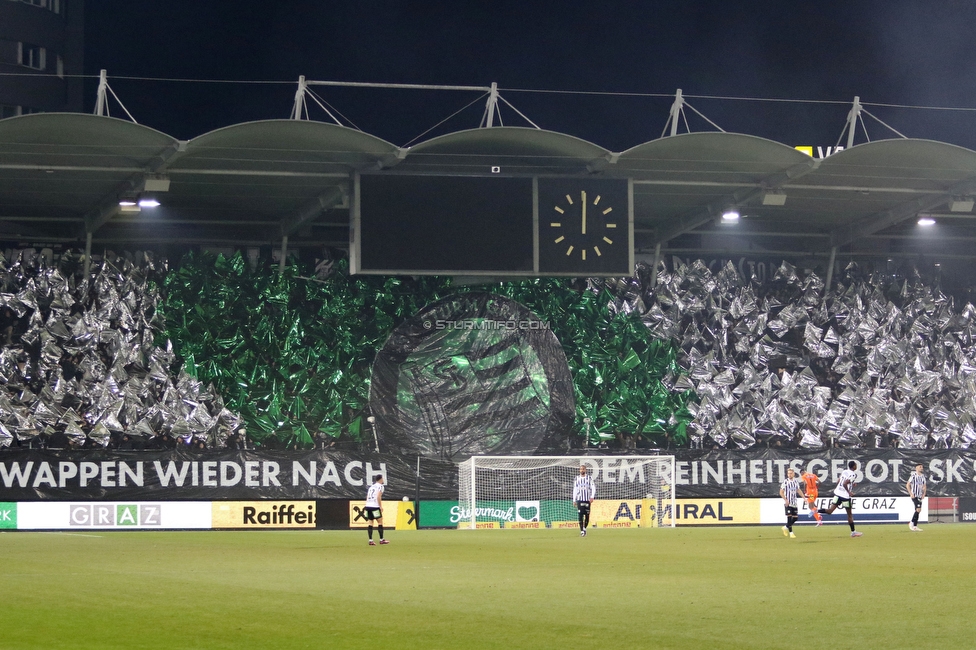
x=583, y=201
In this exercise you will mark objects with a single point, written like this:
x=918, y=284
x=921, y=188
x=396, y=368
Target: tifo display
x=862, y=366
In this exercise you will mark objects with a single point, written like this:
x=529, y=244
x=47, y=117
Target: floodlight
x=926, y=221
x=148, y=202
x=128, y=204
x=730, y=215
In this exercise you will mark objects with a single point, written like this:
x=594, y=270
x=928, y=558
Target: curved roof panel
x=55, y=140
x=61, y=165
x=284, y=146
x=718, y=157
x=686, y=176
x=923, y=165
x=515, y=150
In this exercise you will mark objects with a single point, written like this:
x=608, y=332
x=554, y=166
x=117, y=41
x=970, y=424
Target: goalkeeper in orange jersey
x=811, y=481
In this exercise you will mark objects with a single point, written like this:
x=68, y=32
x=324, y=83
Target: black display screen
x=442, y=224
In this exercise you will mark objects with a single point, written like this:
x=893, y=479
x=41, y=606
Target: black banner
x=30, y=475
x=881, y=472
x=27, y=475
x=967, y=510
x=472, y=374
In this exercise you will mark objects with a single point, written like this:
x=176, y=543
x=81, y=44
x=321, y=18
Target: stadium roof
x=62, y=177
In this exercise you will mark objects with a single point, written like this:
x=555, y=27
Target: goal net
x=537, y=491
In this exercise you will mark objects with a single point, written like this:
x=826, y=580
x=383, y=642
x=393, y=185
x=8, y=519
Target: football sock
x=380, y=528
x=582, y=525
x=370, y=530
x=586, y=519
x=915, y=519
x=851, y=524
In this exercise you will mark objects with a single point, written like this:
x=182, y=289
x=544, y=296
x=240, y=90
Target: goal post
x=516, y=491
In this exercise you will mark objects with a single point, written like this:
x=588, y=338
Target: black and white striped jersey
x=790, y=488
x=584, y=489
x=916, y=485
x=373, y=495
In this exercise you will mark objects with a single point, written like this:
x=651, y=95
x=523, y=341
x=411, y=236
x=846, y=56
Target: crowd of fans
x=874, y=361
x=80, y=366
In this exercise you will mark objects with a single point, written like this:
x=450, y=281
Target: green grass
x=685, y=588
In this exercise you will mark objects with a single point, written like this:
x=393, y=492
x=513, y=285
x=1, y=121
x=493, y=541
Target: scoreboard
x=492, y=225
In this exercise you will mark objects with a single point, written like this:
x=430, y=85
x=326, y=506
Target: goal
x=517, y=491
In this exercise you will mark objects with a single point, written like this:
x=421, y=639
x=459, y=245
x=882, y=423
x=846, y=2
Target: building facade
x=41, y=56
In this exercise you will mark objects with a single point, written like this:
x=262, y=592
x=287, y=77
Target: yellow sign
x=613, y=510
x=479, y=525
x=263, y=514
x=564, y=524
x=406, y=518
x=357, y=514
x=616, y=524
x=711, y=512
x=525, y=524
x=807, y=150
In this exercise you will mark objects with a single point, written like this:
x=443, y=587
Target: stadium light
x=148, y=202
x=926, y=221
x=731, y=215
x=128, y=204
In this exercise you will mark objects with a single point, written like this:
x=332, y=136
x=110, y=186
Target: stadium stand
x=879, y=360
x=80, y=366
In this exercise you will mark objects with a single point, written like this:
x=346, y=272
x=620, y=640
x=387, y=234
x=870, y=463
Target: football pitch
x=686, y=588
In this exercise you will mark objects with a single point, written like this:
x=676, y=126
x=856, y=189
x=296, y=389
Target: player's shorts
x=812, y=496
x=917, y=502
x=791, y=511
x=843, y=502
x=583, y=507
x=372, y=513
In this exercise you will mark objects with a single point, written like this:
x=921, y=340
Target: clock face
x=583, y=226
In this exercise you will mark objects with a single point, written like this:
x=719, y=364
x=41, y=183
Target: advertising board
x=66, y=515
x=866, y=510
x=264, y=514
x=8, y=516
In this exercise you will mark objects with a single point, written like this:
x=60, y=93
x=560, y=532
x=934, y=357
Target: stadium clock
x=584, y=226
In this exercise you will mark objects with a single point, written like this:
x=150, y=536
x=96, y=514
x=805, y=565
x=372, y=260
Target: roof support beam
x=108, y=207
x=332, y=197
x=88, y=245
x=881, y=220
x=740, y=197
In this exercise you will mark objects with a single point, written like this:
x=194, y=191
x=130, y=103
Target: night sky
x=887, y=51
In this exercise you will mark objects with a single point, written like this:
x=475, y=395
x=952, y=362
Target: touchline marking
x=73, y=534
